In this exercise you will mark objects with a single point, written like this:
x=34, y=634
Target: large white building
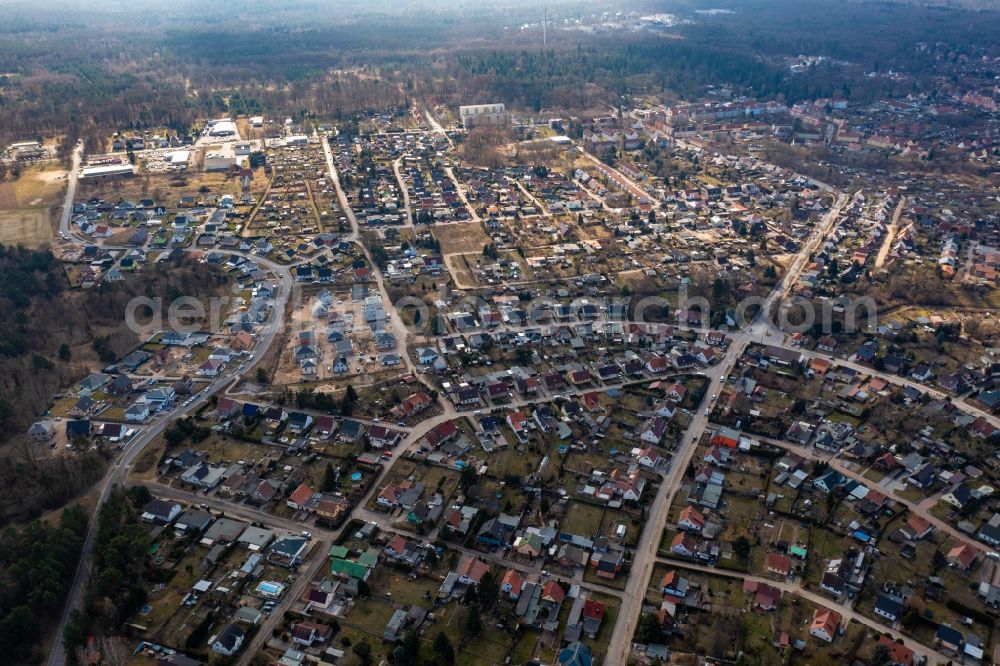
x=220, y=157
x=483, y=114
x=107, y=171
x=223, y=128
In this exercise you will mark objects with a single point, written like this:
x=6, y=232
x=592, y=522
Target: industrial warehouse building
x=220, y=158
x=223, y=128
x=107, y=171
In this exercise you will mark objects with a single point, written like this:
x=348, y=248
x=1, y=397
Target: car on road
x=307, y=534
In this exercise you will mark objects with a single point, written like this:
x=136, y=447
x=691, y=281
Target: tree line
x=37, y=566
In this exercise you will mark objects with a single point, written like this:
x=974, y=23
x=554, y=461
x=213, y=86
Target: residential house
x=990, y=530
x=300, y=497
x=917, y=528
x=652, y=430
x=691, y=520
x=441, y=433
x=766, y=598
x=888, y=606
x=825, y=624
x=648, y=457
x=162, y=511
x=307, y=633
x=778, y=564
x=512, y=584
x=949, y=638
x=674, y=584
x=288, y=551
x=471, y=571
x=726, y=437
x=899, y=654
x=683, y=545
x=229, y=641
x=961, y=556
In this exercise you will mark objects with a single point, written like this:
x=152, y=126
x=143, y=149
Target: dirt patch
x=144, y=466
x=27, y=205
x=30, y=227
x=44, y=186
x=461, y=237
x=8, y=197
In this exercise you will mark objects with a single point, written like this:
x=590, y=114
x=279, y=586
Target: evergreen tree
x=443, y=649
x=473, y=623
x=489, y=591
x=349, y=400
x=329, y=479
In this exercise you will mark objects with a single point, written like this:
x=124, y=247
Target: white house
x=648, y=457
x=210, y=368
x=229, y=641
x=137, y=412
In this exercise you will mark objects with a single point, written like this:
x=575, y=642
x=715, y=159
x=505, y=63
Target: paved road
x=898, y=380
x=460, y=189
x=404, y=190
x=437, y=126
x=345, y=205
x=620, y=645
x=890, y=236
x=383, y=520
x=72, y=178
x=644, y=559
x=915, y=508
x=793, y=588
x=394, y=321
x=118, y=473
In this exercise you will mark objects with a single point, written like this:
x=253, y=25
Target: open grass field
x=461, y=237
x=28, y=204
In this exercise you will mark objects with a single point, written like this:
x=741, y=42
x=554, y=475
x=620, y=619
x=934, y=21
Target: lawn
x=492, y=647
x=738, y=514
x=370, y=616
x=838, y=416
x=599, y=644
x=401, y=589
x=26, y=216
x=113, y=414
x=582, y=518
x=524, y=647
x=665, y=540
x=221, y=448
x=910, y=493
x=61, y=406
x=823, y=546
x=873, y=474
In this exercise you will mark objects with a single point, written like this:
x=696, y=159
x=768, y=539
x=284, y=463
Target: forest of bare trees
x=51, y=336
x=65, y=75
